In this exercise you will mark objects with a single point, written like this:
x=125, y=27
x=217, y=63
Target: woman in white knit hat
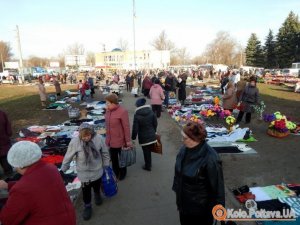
x=40, y=196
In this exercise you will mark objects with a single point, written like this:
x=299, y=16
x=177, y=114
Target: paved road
x=144, y=198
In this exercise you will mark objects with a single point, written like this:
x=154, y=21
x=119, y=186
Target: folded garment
x=293, y=202
x=272, y=205
x=53, y=159
x=260, y=194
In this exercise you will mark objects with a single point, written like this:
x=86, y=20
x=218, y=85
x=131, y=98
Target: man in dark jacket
x=144, y=125
x=170, y=85
x=198, y=181
x=5, y=144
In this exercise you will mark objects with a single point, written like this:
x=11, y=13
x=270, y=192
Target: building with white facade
x=145, y=59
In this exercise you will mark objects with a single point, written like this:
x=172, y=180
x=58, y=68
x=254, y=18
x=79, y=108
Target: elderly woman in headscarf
x=40, y=196
x=91, y=155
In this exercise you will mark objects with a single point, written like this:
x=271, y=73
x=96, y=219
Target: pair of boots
x=87, y=212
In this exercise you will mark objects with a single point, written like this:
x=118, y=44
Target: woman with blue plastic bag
x=92, y=156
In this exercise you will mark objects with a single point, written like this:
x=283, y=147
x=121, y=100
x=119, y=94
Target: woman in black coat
x=181, y=88
x=144, y=125
x=198, y=181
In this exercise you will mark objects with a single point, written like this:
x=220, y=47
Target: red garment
x=85, y=86
x=117, y=127
x=53, y=159
x=32, y=139
x=147, y=84
x=5, y=134
x=38, y=198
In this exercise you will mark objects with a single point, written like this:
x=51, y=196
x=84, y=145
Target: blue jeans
x=166, y=101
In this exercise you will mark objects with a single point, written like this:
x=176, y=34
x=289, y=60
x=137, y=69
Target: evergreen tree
x=254, y=52
x=287, y=46
x=269, y=51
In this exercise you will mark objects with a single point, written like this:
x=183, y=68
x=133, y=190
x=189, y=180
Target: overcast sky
x=48, y=27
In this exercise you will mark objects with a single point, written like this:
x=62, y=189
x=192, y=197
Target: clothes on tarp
x=272, y=205
x=235, y=135
x=293, y=202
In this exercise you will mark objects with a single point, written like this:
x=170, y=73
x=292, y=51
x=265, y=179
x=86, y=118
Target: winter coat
x=85, y=86
x=39, y=197
x=181, y=90
x=170, y=83
x=42, y=92
x=146, y=83
x=198, y=181
x=229, y=98
x=240, y=87
x=5, y=134
x=156, y=95
x=117, y=127
x=144, y=125
x=90, y=169
x=249, y=98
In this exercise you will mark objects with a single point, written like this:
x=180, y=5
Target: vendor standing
x=42, y=92
x=248, y=99
x=40, y=196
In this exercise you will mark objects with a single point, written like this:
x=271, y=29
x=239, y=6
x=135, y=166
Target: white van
x=290, y=72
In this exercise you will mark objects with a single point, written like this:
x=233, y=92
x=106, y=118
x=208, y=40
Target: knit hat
x=195, y=131
x=24, y=153
x=140, y=102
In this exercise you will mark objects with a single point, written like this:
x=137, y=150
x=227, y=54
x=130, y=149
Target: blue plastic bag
x=109, y=182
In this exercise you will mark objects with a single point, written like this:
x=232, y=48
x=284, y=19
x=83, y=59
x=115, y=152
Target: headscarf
x=89, y=147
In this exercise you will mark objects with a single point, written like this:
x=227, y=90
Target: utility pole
x=20, y=54
x=134, y=56
x=2, y=63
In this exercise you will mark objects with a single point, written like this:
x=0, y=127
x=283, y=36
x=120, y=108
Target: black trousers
x=146, y=92
x=240, y=117
x=157, y=110
x=188, y=219
x=147, y=155
x=114, y=156
x=87, y=190
x=128, y=87
x=5, y=165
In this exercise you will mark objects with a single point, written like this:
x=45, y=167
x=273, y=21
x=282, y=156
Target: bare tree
x=37, y=61
x=197, y=60
x=61, y=59
x=5, y=52
x=75, y=49
x=222, y=50
x=90, y=58
x=122, y=44
x=183, y=55
x=162, y=42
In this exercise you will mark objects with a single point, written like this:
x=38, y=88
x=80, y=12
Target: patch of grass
x=281, y=92
x=23, y=106
x=280, y=98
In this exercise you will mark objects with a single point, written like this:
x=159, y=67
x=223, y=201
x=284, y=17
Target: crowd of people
x=198, y=179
